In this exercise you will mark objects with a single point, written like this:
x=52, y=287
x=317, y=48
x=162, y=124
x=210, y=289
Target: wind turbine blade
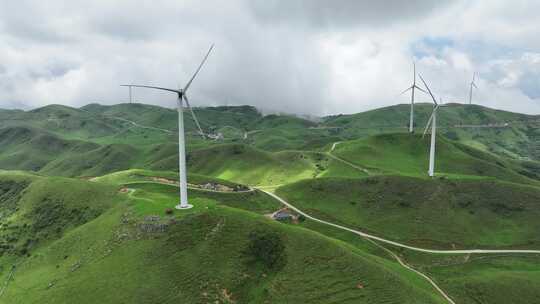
x=474, y=85
x=420, y=89
x=199, y=68
x=150, y=87
x=429, y=91
x=405, y=90
x=414, y=73
x=194, y=117
x=429, y=122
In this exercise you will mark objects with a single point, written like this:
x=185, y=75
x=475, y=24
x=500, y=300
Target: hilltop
x=503, y=133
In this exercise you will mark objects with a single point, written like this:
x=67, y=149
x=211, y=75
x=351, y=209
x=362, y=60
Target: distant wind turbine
x=433, y=121
x=130, y=95
x=412, y=87
x=472, y=84
x=181, y=93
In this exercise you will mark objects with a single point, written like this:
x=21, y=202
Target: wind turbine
x=130, y=95
x=412, y=87
x=472, y=84
x=433, y=121
x=181, y=95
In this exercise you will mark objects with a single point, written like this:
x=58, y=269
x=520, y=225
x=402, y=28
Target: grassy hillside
x=112, y=235
x=409, y=155
x=37, y=210
x=140, y=124
x=436, y=213
x=247, y=165
x=482, y=278
x=37, y=150
x=32, y=149
x=133, y=252
x=244, y=164
x=494, y=280
x=455, y=121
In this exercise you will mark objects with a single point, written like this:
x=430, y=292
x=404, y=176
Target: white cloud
x=314, y=57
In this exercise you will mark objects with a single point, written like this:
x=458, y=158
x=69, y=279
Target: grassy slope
x=434, y=213
x=513, y=141
x=104, y=125
x=482, y=278
x=408, y=155
x=244, y=164
x=37, y=210
x=34, y=149
x=182, y=264
x=493, y=280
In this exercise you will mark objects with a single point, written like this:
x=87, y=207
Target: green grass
x=431, y=213
x=409, y=155
x=36, y=210
x=246, y=165
x=510, y=141
x=200, y=257
x=66, y=233
x=482, y=278
x=488, y=279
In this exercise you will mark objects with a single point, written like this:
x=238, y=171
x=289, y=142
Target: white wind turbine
x=433, y=121
x=130, y=95
x=412, y=88
x=472, y=84
x=181, y=93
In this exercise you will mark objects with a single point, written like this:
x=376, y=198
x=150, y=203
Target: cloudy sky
x=312, y=57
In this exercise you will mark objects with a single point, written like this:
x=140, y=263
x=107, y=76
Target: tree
x=266, y=247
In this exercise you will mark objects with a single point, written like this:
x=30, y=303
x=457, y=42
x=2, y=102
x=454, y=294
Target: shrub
x=169, y=211
x=267, y=248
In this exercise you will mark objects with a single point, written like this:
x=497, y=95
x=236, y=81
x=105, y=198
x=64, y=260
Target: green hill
x=409, y=155
x=482, y=278
x=244, y=164
x=124, y=248
x=503, y=133
x=112, y=235
x=473, y=125
x=439, y=213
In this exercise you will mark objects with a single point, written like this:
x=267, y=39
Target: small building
x=282, y=215
x=215, y=136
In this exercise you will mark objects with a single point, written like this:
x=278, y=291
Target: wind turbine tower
x=412, y=88
x=473, y=84
x=181, y=97
x=130, y=95
x=433, y=121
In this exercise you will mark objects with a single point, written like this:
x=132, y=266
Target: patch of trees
x=267, y=248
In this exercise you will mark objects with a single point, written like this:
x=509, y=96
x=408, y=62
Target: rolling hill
x=148, y=256
x=438, y=213
x=92, y=206
x=408, y=154
x=503, y=133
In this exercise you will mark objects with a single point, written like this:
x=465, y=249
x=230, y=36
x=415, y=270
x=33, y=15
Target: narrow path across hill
x=139, y=125
x=6, y=283
x=373, y=238
x=329, y=153
x=405, y=265
x=189, y=187
x=395, y=256
x=397, y=244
